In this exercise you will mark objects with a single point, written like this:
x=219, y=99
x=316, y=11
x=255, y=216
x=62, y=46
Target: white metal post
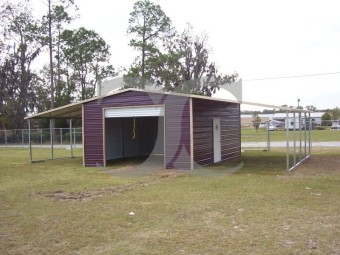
x=29, y=139
x=268, y=137
x=305, y=129
x=22, y=137
x=294, y=135
x=74, y=137
x=310, y=134
x=51, y=136
x=5, y=138
x=300, y=136
x=287, y=139
x=61, y=137
x=71, y=146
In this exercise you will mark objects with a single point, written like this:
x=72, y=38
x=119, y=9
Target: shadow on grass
x=256, y=162
x=136, y=166
x=251, y=162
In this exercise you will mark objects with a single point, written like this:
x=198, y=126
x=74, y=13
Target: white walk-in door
x=217, y=139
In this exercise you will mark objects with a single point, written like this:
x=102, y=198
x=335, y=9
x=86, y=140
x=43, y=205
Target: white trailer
x=289, y=123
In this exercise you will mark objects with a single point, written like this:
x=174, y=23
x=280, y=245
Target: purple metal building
x=186, y=129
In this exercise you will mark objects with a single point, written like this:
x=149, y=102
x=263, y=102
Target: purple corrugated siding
x=177, y=126
x=177, y=133
x=93, y=134
x=203, y=113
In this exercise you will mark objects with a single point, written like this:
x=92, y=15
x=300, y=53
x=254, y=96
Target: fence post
x=29, y=139
x=71, y=146
x=268, y=136
x=41, y=137
x=310, y=134
x=51, y=136
x=287, y=140
x=305, y=134
x=61, y=137
x=22, y=137
x=300, y=136
x=294, y=130
x=74, y=137
x=5, y=138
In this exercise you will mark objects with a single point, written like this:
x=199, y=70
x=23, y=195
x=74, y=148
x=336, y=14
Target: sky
x=257, y=39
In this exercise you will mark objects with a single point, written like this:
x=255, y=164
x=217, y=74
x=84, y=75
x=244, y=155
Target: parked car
x=272, y=128
x=335, y=125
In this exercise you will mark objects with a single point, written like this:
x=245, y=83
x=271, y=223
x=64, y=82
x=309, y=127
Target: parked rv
x=293, y=123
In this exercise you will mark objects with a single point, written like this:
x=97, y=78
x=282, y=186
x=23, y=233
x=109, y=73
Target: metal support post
x=5, y=138
x=268, y=137
x=22, y=137
x=41, y=137
x=300, y=137
x=305, y=129
x=287, y=139
x=74, y=137
x=71, y=146
x=310, y=134
x=29, y=139
x=61, y=137
x=51, y=136
x=294, y=135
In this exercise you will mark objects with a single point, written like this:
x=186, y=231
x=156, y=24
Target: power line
x=290, y=77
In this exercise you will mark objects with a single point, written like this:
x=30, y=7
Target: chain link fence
x=40, y=137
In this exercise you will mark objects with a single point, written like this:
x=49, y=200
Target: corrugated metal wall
x=177, y=133
x=203, y=113
x=177, y=126
x=93, y=134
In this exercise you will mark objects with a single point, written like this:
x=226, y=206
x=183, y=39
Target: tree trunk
x=51, y=57
x=51, y=52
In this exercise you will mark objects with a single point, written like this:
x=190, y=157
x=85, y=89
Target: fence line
x=40, y=137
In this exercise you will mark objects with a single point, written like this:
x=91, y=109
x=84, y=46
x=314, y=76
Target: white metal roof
x=75, y=110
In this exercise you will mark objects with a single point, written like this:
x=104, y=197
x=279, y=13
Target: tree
x=326, y=119
x=182, y=63
x=197, y=74
x=335, y=113
x=21, y=47
x=149, y=27
x=87, y=56
x=268, y=111
x=256, y=121
x=311, y=108
x=53, y=22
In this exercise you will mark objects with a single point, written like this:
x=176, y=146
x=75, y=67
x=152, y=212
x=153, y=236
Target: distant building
x=315, y=116
x=246, y=119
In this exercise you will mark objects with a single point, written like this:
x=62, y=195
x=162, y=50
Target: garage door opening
x=134, y=138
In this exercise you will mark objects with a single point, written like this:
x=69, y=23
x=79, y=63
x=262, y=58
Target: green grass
x=251, y=135
x=259, y=209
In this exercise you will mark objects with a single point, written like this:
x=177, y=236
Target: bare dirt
x=60, y=195
x=316, y=165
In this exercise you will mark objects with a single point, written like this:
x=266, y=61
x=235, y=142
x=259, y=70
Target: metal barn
x=184, y=129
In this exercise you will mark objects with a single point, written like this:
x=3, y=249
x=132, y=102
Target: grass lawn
x=59, y=207
x=250, y=135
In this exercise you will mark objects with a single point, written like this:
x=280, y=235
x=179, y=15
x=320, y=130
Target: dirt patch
x=319, y=165
x=60, y=195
